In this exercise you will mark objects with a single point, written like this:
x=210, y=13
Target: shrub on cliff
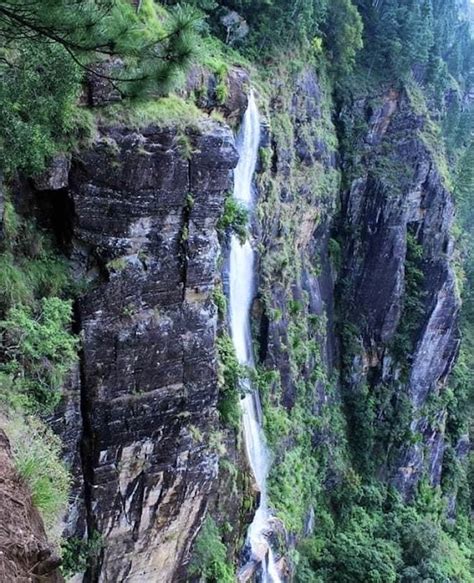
x=39, y=350
x=234, y=218
x=37, y=347
x=210, y=556
x=230, y=373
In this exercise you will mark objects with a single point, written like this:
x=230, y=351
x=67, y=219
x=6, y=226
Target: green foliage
x=335, y=253
x=13, y=283
x=230, y=373
x=39, y=349
x=431, y=35
x=220, y=300
x=77, y=554
x=413, y=309
x=37, y=454
x=343, y=31
x=234, y=218
x=170, y=111
x=273, y=24
x=46, y=46
x=380, y=539
x=37, y=94
x=293, y=485
x=209, y=560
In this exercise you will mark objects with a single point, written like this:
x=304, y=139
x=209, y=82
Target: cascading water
x=241, y=293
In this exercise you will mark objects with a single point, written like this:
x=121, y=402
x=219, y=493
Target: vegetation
x=234, y=218
x=362, y=530
x=210, y=556
x=48, y=45
x=37, y=348
x=37, y=351
x=381, y=539
x=77, y=554
x=230, y=375
x=331, y=450
x=37, y=454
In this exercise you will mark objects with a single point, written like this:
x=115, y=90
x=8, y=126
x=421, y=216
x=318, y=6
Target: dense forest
x=336, y=429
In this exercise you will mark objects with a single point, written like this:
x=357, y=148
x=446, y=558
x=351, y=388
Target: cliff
x=355, y=325
x=398, y=288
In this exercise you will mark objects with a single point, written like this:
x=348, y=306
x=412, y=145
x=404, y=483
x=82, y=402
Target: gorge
x=237, y=313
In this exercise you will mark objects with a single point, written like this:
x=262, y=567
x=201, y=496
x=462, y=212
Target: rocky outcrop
x=25, y=554
x=56, y=175
x=145, y=236
x=225, y=92
x=399, y=286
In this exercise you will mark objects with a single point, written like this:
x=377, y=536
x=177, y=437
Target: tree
x=343, y=30
x=47, y=45
x=152, y=47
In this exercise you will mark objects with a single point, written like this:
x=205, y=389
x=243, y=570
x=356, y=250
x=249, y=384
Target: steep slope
x=398, y=292
x=354, y=320
x=25, y=554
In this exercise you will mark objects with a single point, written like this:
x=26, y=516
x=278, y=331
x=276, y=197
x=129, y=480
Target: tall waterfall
x=241, y=294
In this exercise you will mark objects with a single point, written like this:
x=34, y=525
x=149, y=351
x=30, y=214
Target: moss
x=10, y=223
x=14, y=283
x=335, y=253
x=433, y=139
x=265, y=156
x=220, y=300
x=117, y=265
x=414, y=305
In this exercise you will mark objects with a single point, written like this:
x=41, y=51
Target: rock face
x=56, y=175
x=139, y=419
x=25, y=554
x=145, y=233
x=297, y=207
x=404, y=307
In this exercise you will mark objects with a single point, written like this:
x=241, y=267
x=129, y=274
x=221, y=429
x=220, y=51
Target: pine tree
x=153, y=48
x=47, y=45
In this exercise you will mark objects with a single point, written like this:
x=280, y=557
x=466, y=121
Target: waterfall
x=241, y=294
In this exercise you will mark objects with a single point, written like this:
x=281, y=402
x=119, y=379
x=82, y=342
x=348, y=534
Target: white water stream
x=241, y=294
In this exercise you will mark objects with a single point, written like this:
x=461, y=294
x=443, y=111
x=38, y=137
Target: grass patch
x=37, y=454
x=166, y=112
